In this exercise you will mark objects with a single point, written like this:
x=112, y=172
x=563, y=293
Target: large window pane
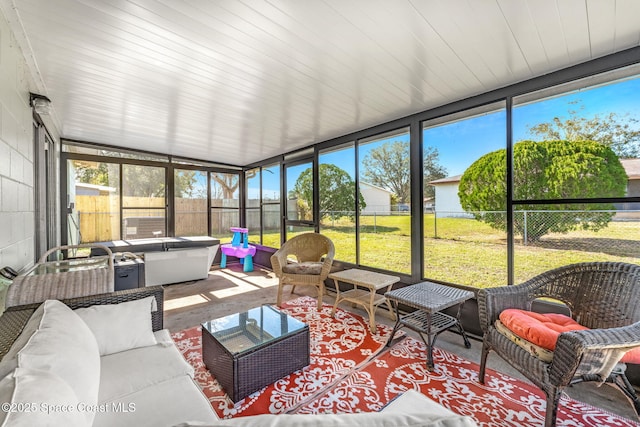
x=94, y=190
x=385, y=184
x=225, y=203
x=300, y=192
x=271, y=218
x=143, y=202
x=568, y=146
x=252, y=203
x=190, y=202
x=576, y=141
x=338, y=200
x=465, y=199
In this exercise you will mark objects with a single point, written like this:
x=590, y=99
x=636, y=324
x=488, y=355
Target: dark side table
x=429, y=299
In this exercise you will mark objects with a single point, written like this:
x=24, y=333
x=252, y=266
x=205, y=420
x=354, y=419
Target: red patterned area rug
x=501, y=401
x=346, y=376
x=339, y=346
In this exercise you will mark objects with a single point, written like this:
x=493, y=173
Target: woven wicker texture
x=604, y=296
x=33, y=288
x=306, y=247
x=15, y=318
x=241, y=374
x=429, y=296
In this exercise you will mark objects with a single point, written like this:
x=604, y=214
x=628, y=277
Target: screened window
x=385, y=184
x=190, y=202
x=337, y=189
x=576, y=141
x=252, y=204
x=271, y=217
x=225, y=204
x=93, y=201
x=465, y=197
x=143, y=202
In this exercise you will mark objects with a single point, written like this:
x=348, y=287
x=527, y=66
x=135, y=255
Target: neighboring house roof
x=447, y=180
x=376, y=187
x=631, y=167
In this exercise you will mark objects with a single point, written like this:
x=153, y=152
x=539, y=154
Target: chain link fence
x=607, y=231
x=611, y=232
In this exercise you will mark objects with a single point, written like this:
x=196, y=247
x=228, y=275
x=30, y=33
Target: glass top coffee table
x=249, y=350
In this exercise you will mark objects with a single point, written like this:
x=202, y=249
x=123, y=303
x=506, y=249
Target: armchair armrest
x=591, y=352
x=327, y=262
x=278, y=260
x=492, y=301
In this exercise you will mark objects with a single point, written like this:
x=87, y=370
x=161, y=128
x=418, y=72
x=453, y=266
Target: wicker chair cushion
x=538, y=332
x=533, y=349
x=312, y=268
x=541, y=329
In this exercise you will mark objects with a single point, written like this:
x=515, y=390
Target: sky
x=462, y=142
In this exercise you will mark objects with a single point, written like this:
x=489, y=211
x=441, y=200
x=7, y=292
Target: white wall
x=16, y=156
x=377, y=199
x=447, y=200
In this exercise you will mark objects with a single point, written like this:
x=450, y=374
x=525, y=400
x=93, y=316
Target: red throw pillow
x=543, y=329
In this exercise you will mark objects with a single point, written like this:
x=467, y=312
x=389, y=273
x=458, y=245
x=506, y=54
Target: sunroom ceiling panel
x=237, y=81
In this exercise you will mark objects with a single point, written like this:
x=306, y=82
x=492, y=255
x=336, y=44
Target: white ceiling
x=238, y=81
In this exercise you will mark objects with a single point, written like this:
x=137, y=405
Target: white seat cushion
x=62, y=344
x=411, y=409
x=142, y=367
x=165, y=404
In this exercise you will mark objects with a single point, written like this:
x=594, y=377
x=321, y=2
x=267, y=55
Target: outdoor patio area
x=231, y=290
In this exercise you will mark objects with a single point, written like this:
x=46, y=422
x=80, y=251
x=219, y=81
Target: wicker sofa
x=103, y=383
x=131, y=381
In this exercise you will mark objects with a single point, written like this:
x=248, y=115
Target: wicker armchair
x=314, y=255
x=603, y=296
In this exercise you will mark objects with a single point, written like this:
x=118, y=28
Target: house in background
x=632, y=167
x=447, y=202
x=378, y=199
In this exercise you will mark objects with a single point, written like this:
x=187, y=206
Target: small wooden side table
x=365, y=284
x=429, y=299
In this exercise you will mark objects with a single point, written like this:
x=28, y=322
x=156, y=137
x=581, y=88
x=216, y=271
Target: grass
x=469, y=252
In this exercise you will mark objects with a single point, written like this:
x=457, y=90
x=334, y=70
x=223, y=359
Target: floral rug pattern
x=351, y=370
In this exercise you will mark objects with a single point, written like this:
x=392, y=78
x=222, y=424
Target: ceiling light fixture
x=40, y=103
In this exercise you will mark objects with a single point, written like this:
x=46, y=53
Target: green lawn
x=470, y=252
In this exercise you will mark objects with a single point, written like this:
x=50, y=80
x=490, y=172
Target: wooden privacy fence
x=99, y=217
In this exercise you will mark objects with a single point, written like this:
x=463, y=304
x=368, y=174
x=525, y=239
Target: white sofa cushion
x=165, y=404
x=120, y=327
x=62, y=344
x=10, y=361
x=142, y=367
x=411, y=409
x=38, y=398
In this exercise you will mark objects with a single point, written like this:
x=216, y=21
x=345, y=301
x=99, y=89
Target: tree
x=388, y=166
x=337, y=191
x=545, y=170
x=620, y=133
x=431, y=170
x=228, y=183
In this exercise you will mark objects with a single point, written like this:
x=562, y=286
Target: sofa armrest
x=15, y=318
